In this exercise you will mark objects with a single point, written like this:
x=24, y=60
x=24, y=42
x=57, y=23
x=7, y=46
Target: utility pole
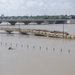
x=63, y=30
x=19, y=27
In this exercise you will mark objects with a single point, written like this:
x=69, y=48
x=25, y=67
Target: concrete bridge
x=54, y=34
x=38, y=21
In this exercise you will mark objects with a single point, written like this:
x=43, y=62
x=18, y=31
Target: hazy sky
x=37, y=7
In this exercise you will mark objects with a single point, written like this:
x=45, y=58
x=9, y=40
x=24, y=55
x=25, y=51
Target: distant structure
x=38, y=21
x=2, y=16
x=55, y=19
x=72, y=21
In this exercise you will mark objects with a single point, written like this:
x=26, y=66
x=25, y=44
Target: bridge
x=38, y=21
x=47, y=33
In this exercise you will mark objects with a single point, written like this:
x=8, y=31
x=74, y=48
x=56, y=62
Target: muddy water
x=36, y=55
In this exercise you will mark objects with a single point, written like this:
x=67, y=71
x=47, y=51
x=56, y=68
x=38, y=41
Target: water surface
x=37, y=55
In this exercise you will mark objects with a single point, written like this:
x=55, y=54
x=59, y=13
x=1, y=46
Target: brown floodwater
x=36, y=55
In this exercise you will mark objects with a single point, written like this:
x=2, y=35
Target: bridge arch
x=51, y=22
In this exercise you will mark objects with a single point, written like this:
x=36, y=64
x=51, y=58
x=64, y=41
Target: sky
x=37, y=7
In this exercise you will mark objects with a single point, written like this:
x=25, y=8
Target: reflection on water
x=36, y=55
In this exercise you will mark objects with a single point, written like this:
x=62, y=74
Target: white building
x=71, y=21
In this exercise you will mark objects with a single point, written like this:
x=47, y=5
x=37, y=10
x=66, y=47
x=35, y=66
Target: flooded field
x=37, y=55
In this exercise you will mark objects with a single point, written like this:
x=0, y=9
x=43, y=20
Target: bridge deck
x=55, y=34
x=38, y=21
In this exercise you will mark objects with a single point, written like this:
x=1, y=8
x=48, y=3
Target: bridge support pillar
x=23, y=33
x=12, y=23
x=26, y=22
x=39, y=22
x=9, y=32
x=0, y=22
